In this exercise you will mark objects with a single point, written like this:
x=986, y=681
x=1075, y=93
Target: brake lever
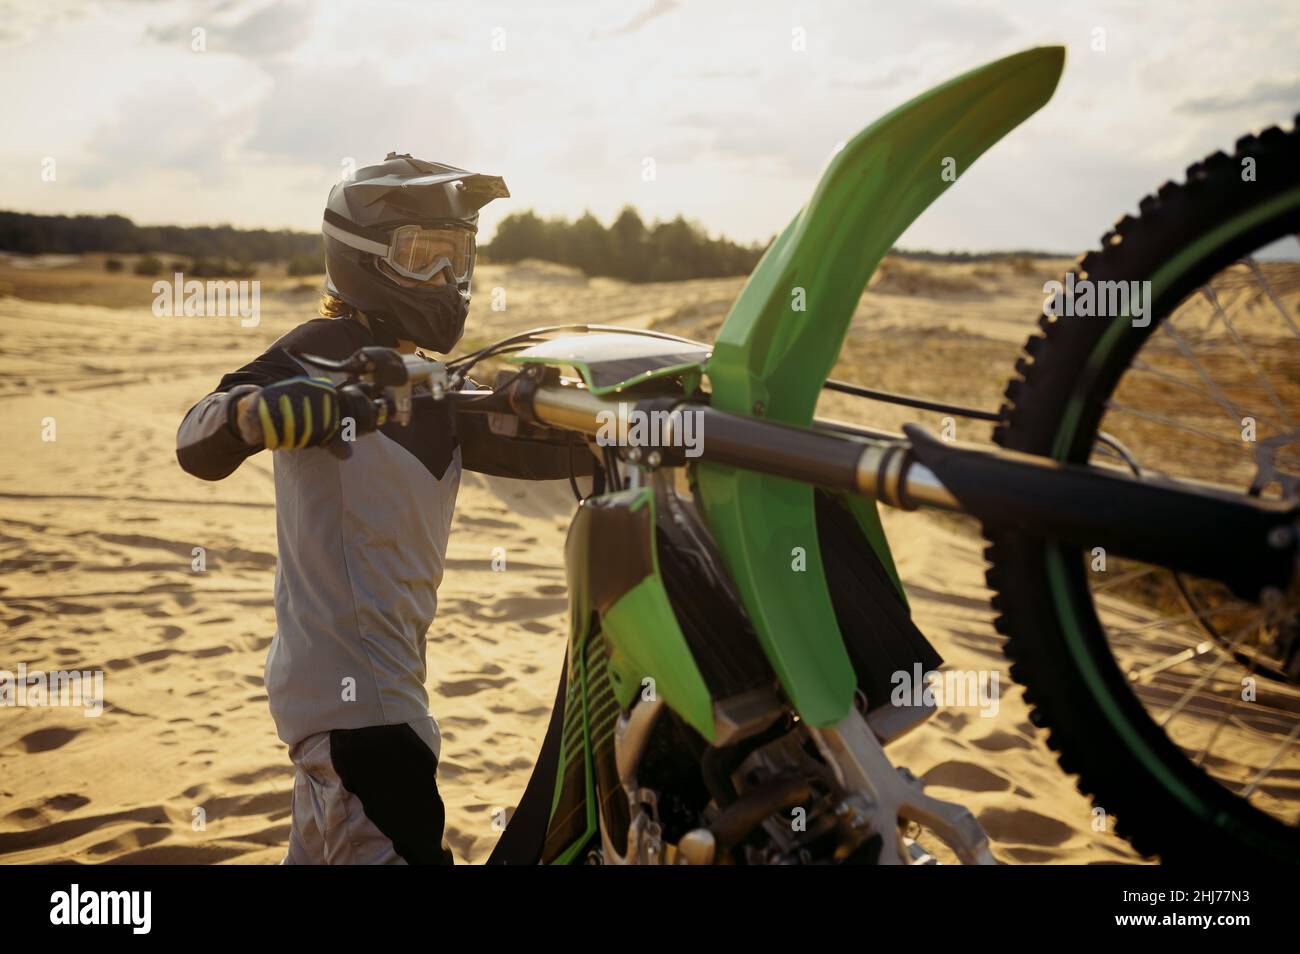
x=326, y=364
x=382, y=366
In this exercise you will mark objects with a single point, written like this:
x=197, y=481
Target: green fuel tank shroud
x=771, y=360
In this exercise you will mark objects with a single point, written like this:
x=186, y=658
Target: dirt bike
x=720, y=706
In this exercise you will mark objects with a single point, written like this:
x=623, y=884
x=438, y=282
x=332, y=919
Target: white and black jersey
x=361, y=541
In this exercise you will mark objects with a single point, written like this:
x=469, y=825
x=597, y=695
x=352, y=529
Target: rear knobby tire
x=1184, y=234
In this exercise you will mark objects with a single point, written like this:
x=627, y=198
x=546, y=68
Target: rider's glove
x=298, y=412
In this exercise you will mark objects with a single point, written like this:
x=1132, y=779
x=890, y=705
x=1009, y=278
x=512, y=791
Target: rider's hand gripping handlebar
x=377, y=389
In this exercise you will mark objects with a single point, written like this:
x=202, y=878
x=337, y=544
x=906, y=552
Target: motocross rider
x=362, y=541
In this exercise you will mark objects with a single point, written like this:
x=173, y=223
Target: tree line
x=628, y=249
x=74, y=234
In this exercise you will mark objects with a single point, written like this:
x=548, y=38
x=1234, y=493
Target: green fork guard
x=771, y=361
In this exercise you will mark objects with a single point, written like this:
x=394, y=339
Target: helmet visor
x=420, y=253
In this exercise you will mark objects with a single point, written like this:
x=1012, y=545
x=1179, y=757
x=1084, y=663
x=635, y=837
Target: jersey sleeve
x=207, y=443
x=485, y=452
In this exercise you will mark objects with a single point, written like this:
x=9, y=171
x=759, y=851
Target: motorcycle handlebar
x=1146, y=519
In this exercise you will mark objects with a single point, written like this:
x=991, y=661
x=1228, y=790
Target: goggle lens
x=421, y=253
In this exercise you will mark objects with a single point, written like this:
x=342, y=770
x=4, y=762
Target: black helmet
x=399, y=246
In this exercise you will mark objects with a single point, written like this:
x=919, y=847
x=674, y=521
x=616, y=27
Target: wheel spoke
x=1227, y=712
x=1128, y=577
x=1232, y=410
x=1170, y=714
x=1147, y=673
x=1190, y=617
x=1170, y=422
x=1139, y=365
x=1209, y=294
x=1272, y=763
x=1268, y=290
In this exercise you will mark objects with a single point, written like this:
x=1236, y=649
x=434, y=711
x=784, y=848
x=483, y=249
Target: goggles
x=415, y=252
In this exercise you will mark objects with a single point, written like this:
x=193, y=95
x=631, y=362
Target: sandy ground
x=99, y=526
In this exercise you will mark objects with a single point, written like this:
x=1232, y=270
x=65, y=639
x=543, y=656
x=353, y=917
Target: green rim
x=1058, y=565
x=1161, y=281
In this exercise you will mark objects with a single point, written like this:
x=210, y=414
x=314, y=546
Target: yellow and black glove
x=298, y=412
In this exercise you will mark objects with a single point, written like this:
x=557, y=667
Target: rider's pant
x=367, y=797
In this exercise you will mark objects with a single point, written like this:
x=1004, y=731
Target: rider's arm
x=484, y=452
x=208, y=443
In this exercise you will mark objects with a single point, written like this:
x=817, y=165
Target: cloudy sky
x=566, y=98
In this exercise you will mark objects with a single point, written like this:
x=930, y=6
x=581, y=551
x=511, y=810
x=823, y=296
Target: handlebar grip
x=361, y=407
x=365, y=413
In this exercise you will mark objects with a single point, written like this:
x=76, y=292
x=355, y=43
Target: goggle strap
x=353, y=240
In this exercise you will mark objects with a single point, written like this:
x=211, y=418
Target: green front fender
x=772, y=359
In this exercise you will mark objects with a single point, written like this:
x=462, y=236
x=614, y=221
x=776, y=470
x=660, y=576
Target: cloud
x=1263, y=94
x=878, y=80
x=267, y=32
x=24, y=21
x=739, y=121
x=656, y=9
x=173, y=126
x=320, y=114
